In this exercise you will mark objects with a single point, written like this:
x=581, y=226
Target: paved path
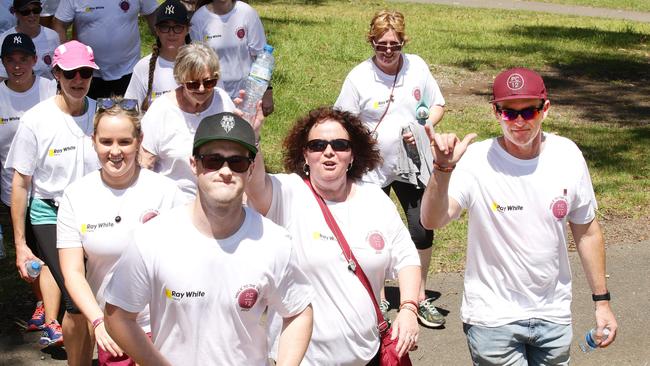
x=545, y=7
x=629, y=276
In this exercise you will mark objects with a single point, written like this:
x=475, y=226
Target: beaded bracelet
x=98, y=321
x=444, y=169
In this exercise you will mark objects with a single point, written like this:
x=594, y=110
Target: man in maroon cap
x=520, y=189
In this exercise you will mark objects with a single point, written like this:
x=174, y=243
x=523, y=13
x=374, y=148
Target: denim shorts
x=521, y=343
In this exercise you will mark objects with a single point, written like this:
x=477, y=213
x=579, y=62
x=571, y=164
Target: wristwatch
x=602, y=297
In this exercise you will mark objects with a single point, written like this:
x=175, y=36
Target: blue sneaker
x=52, y=335
x=37, y=322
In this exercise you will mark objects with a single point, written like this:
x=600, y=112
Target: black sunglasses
x=176, y=28
x=318, y=145
x=195, y=85
x=130, y=105
x=383, y=47
x=237, y=163
x=526, y=113
x=36, y=10
x=84, y=72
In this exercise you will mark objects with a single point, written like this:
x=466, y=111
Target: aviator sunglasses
x=129, y=105
x=383, y=46
x=84, y=72
x=526, y=113
x=35, y=10
x=237, y=163
x=319, y=145
x=195, y=85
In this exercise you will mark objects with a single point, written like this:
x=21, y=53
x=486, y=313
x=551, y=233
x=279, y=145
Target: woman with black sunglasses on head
x=395, y=94
x=330, y=150
x=171, y=121
x=153, y=75
x=45, y=39
x=51, y=149
x=99, y=212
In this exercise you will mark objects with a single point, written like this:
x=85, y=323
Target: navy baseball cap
x=17, y=42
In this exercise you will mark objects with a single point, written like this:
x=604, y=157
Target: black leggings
x=46, y=242
x=410, y=197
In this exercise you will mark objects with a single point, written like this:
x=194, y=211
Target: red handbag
x=387, y=347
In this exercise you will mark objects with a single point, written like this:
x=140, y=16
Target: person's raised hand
x=447, y=148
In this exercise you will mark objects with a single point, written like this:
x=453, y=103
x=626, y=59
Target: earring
x=305, y=169
x=349, y=167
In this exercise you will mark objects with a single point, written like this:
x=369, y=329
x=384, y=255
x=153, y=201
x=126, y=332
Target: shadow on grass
x=607, y=85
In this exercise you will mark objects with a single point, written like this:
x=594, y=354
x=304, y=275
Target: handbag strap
x=353, y=264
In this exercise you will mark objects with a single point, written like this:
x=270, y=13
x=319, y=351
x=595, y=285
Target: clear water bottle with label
x=33, y=268
x=257, y=82
x=589, y=344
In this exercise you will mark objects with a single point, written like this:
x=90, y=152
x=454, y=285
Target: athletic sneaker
x=37, y=322
x=384, y=306
x=52, y=335
x=429, y=315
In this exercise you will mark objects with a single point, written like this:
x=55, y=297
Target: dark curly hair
x=364, y=147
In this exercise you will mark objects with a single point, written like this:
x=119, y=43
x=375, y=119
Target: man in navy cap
x=520, y=190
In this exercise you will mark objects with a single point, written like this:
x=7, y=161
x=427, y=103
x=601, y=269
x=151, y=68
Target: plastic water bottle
x=257, y=82
x=33, y=268
x=589, y=344
x=411, y=149
x=422, y=113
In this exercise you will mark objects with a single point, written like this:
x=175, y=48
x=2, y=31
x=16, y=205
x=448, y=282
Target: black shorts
x=100, y=88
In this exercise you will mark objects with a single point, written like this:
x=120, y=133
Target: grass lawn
x=637, y=5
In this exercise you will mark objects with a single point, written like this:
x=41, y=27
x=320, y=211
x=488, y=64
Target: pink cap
x=73, y=55
x=518, y=83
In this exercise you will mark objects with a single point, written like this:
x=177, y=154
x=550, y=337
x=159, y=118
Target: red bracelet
x=412, y=302
x=98, y=321
x=444, y=169
x=409, y=308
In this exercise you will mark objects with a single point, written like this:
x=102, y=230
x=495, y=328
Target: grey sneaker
x=384, y=306
x=429, y=315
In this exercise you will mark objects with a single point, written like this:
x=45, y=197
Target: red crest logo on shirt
x=247, y=297
x=560, y=207
x=417, y=94
x=47, y=59
x=125, y=6
x=241, y=33
x=376, y=240
x=148, y=215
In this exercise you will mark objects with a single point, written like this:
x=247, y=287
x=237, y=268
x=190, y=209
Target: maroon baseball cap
x=518, y=83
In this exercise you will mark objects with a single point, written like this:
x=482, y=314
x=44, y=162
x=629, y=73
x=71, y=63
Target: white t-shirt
x=12, y=106
x=111, y=29
x=345, y=325
x=7, y=20
x=169, y=134
x=87, y=218
x=163, y=79
x=366, y=91
x=208, y=296
x=237, y=37
x=49, y=7
x=54, y=148
x=45, y=43
x=517, y=261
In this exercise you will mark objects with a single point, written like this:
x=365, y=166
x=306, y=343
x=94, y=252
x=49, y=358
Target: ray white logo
x=320, y=236
x=8, y=119
x=504, y=208
x=180, y=295
x=56, y=152
x=89, y=228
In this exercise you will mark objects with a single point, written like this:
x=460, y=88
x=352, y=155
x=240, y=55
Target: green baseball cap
x=225, y=126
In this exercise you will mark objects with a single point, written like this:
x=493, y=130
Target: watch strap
x=603, y=297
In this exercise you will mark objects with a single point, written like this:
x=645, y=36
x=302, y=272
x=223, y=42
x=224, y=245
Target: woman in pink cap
x=51, y=149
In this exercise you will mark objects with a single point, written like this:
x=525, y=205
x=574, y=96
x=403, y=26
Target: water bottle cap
x=268, y=48
x=36, y=265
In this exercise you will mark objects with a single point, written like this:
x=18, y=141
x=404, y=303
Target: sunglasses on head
x=384, y=46
x=526, y=113
x=130, y=105
x=176, y=28
x=319, y=145
x=237, y=163
x=35, y=10
x=84, y=72
x=195, y=85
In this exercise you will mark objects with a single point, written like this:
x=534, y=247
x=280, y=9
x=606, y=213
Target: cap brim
x=519, y=96
x=200, y=142
x=92, y=65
